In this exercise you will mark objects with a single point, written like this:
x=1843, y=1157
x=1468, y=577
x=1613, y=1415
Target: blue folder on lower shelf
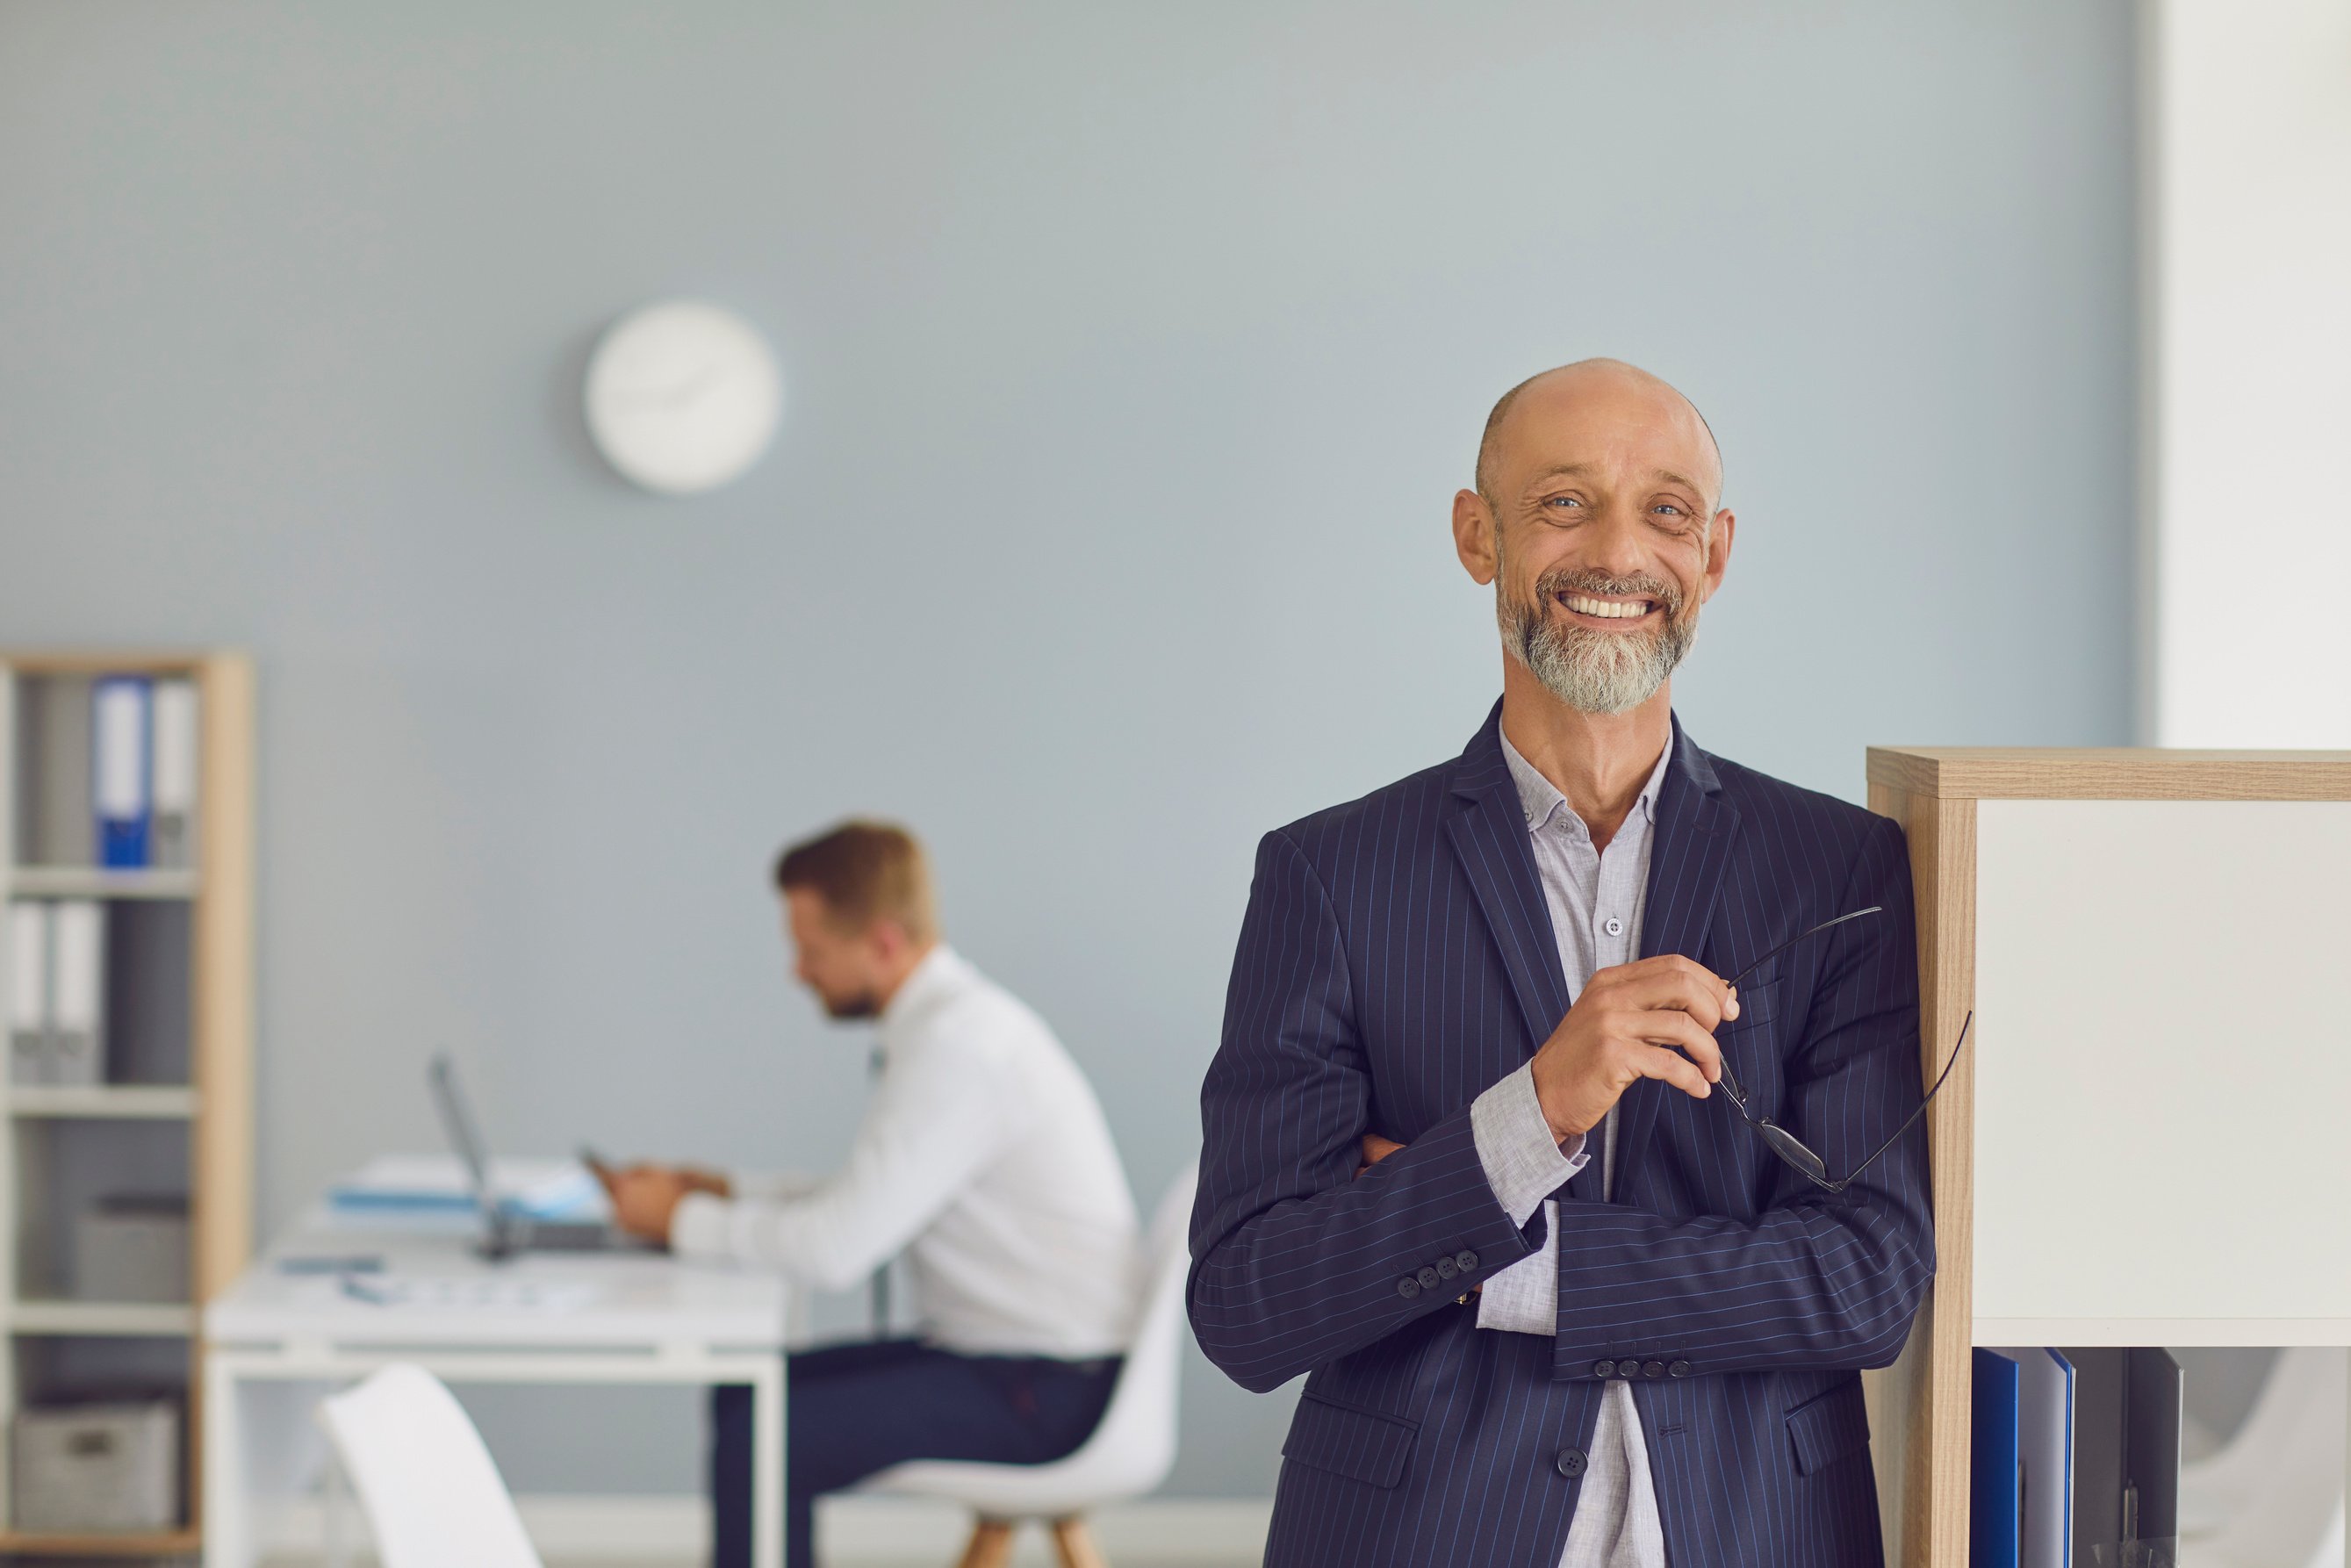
x=1995, y=1484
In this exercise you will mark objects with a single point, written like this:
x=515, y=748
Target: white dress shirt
x=1596, y=899
x=985, y=1159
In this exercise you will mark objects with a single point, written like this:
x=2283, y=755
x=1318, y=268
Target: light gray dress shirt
x=1596, y=900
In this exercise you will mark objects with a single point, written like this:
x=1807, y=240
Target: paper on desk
x=429, y=1184
x=469, y=1293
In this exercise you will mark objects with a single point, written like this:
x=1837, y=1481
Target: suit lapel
x=1687, y=852
x=1489, y=831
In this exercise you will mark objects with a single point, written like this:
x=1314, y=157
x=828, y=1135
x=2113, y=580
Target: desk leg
x=228, y=1540
x=767, y=1465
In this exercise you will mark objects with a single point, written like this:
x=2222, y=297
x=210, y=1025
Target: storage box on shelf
x=126, y=868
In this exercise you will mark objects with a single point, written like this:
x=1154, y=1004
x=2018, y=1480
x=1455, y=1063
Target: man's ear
x=1717, y=551
x=1473, y=536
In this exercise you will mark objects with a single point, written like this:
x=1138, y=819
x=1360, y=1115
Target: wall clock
x=683, y=397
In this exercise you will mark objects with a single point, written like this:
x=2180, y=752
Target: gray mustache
x=1582, y=580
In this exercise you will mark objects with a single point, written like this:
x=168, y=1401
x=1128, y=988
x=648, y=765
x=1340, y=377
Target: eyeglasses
x=1786, y=1145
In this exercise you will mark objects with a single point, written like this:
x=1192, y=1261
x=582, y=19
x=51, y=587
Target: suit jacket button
x=1446, y=1268
x=1679, y=1369
x=1652, y=1369
x=1571, y=1462
x=1604, y=1369
x=1429, y=1278
x=1465, y=1260
x=1407, y=1287
x=1628, y=1369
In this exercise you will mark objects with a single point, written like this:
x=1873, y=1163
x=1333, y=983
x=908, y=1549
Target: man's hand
x=1654, y=1018
x=1376, y=1149
x=645, y=1198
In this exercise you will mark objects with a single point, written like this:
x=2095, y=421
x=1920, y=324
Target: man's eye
x=1668, y=507
x=1564, y=501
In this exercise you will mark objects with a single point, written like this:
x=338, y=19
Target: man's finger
x=1702, y=995
x=1675, y=1027
x=1670, y=1067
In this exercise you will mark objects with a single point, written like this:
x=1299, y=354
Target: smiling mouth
x=1607, y=608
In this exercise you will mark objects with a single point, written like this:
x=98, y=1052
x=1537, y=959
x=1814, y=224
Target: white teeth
x=1606, y=608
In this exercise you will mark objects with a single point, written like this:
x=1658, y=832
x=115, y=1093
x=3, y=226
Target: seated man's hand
x=645, y=1198
x=699, y=1180
x=1376, y=1149
x=1654, y=1018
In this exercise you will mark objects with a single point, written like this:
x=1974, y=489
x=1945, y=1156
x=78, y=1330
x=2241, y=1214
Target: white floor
x=853, y=1532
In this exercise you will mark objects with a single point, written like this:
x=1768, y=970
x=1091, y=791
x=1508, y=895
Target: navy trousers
x=852, y=1410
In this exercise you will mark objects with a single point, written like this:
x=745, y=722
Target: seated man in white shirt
x=983, y=1157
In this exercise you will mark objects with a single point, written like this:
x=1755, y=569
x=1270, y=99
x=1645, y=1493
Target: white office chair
x=2274, y=1497
x=432, y=1493
x=1131, y=1448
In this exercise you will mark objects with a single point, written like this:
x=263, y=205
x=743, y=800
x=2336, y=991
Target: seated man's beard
x=849, y=1006
x=1597, y=672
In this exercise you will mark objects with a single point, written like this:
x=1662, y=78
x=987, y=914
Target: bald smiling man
x=1579, y=1249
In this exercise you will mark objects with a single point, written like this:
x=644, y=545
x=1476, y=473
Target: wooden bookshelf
x=175, y=1106
x=2103, y=913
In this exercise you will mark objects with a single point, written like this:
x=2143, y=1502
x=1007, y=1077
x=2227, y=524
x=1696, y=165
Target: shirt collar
x=1540, y=799
x=941, y=972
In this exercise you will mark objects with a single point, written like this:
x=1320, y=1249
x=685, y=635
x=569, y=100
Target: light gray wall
x=1133, y=355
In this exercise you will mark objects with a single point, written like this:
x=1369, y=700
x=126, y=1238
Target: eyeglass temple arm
x=1847, y=1181
x=1799, y=937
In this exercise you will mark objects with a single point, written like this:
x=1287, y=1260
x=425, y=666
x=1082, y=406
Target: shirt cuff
x=1524, y=1164
x=1524, y=1297
x=698, y=1227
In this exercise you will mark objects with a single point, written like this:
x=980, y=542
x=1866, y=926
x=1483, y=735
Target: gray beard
x=1596, y=672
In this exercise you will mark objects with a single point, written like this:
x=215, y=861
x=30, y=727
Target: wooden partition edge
x=2109, y=773
x=224, y=966
x=1935, y=1448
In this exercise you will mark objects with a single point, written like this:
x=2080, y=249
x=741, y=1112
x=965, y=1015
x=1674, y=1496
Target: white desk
x=276, y=1343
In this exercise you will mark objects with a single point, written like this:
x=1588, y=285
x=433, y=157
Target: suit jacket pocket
x=1826, y=1428
x=1361, y=1444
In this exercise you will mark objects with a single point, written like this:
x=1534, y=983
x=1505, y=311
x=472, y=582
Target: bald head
x=1601, y=393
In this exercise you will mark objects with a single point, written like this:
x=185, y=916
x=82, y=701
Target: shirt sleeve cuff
x=699, y=1227
x=1524, y=1164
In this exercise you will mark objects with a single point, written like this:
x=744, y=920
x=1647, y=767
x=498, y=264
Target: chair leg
x=990, y=1545
x=1073, y=1543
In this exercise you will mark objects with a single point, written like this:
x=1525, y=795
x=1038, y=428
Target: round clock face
x=683, y=397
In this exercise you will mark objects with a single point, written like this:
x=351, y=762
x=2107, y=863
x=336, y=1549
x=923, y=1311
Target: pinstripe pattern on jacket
x=1397, y=959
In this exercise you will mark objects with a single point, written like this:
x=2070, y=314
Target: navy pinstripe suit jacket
x=1397, y=959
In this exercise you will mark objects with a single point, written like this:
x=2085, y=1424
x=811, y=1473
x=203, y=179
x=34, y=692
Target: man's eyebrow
x=1670, y=477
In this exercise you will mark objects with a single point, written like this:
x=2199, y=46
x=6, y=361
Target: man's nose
x=1619, y=546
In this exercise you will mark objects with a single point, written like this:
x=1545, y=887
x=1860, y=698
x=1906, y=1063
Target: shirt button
x=1446, y=1269
x=1429, y=1278
x=1571, y=1462
x=1679, y=1369
x=1465, y=1260
x=1614, y=927
x=1604, y=1369
x=1652, y=1369
x=1407, y=1287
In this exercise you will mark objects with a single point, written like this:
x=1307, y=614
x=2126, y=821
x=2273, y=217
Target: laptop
x=505, y=1232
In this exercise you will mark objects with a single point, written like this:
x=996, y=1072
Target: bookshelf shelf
x=160, y=1543
x=103, y=1320
x=88, y=882
x=2102, y=915
x=171, y=1115
x=101, y=1102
